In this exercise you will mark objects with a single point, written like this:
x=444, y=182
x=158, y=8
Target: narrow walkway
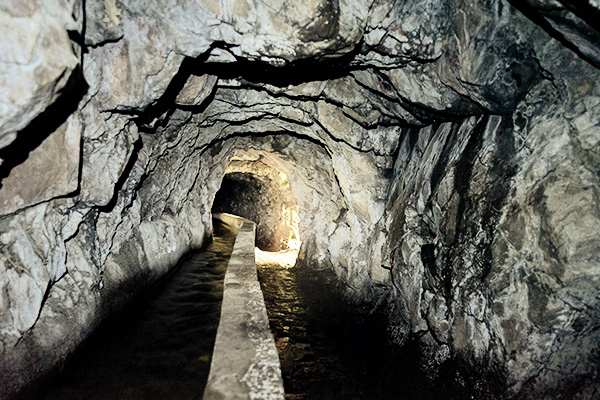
x=245, y=362
x=162, y=349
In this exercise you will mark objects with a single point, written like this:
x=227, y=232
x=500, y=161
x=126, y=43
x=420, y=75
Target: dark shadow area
x=247, y=196
x=292, y=73
x=584, y=10
x=158, y=348
x=330, y=350
x=158, y=114
x=137, y=146
x=44, y=124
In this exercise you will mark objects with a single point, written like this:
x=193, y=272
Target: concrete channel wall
x=245, y=363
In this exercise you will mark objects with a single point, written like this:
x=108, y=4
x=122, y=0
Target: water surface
x=332, y=351
x=162, y=348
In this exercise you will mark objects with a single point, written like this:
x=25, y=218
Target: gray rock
x=573, y=23
x=104, y=22
x=443, y=156
x=37, y=58
x=196, y=90
x=50, y=170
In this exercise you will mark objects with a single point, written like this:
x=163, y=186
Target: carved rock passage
x=444, y=156
x=255, y=191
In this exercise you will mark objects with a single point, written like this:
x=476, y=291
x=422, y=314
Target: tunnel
x=262, y=194
x=432, y=167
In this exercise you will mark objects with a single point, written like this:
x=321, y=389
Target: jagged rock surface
x=262, y=194
x=444, y=157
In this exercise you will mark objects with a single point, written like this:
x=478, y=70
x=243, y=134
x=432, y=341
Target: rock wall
x=492, y=243
x=255, y=191
x=443, y=156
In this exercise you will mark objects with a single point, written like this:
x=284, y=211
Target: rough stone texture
x=51, y=170
x=245, y=363
x=37, y=57
x=444, y=157
x=574, y=23
x=257, y=192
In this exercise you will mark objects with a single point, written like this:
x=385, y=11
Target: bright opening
x=253, y=189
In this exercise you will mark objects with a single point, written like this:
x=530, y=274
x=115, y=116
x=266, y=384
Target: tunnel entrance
x=261, y=193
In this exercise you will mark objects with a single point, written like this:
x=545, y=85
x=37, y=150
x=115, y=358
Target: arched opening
x=261, y=193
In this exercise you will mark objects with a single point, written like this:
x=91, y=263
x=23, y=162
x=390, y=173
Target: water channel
x=332, y=351
x=162, y=348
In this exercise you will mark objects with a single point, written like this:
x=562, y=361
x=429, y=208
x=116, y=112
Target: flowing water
x=330, y=351
x=161, y=349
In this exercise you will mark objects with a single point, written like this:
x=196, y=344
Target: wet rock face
x=443, y=156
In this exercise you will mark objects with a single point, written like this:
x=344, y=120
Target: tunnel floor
x=162, y=348
x=330, y=351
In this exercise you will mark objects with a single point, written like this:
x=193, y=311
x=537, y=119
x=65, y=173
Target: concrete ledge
x=245, y=363
x=230, y=219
